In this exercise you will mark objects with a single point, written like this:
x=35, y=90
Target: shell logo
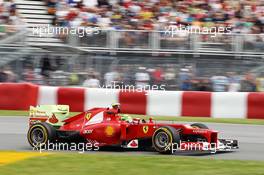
x=109, y=131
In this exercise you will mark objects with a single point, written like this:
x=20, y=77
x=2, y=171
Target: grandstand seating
x=35, y=14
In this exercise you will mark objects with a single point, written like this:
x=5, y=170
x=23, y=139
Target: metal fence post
x=154, y=41
x=238, y=42
x=195, y=44
x=112, y=41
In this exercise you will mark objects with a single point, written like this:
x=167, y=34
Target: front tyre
x=164, y=138
x=40, y=133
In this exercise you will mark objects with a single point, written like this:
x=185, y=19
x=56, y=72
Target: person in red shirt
x=158, y=76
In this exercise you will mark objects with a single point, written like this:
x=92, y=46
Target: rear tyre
x=40, y=134
x=199, y=125
x=164, y=138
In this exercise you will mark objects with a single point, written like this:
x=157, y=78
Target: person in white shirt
x=142, y=78
x=90, y=3
x=111, y=77
x=91, y=82
x=220, y=83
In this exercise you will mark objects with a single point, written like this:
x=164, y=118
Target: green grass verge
x=115, y=164
x=183, y=119
x=13, y=113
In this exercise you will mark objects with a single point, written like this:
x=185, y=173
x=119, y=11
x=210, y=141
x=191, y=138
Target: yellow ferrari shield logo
x=88, y=116
x=145, y=129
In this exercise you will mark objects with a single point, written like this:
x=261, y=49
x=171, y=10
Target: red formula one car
x=103, y=128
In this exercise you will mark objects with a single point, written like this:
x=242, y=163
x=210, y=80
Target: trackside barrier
x=19, y=96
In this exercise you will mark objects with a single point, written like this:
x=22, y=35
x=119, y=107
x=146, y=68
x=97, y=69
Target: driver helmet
x=116, y=105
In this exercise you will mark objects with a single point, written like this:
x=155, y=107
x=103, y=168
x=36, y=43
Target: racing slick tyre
x=199, y=125
x=40, y=134
x=164, y=138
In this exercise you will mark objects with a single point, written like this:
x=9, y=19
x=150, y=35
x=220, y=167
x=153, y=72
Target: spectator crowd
x=9, y=17
x=138, y=77
x=209, y=16
x=244, y=16
x=168, y=78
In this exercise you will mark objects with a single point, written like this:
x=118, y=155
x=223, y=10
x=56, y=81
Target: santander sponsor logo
x=53, y=119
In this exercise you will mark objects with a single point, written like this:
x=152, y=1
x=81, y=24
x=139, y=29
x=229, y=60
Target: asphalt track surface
x=251, y=140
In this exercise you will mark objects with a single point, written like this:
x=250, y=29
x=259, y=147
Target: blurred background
x=126, y=41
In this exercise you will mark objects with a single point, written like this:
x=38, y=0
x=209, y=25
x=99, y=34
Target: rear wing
x=52, y=114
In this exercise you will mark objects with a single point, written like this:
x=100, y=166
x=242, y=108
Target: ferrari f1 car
x=101, y=126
